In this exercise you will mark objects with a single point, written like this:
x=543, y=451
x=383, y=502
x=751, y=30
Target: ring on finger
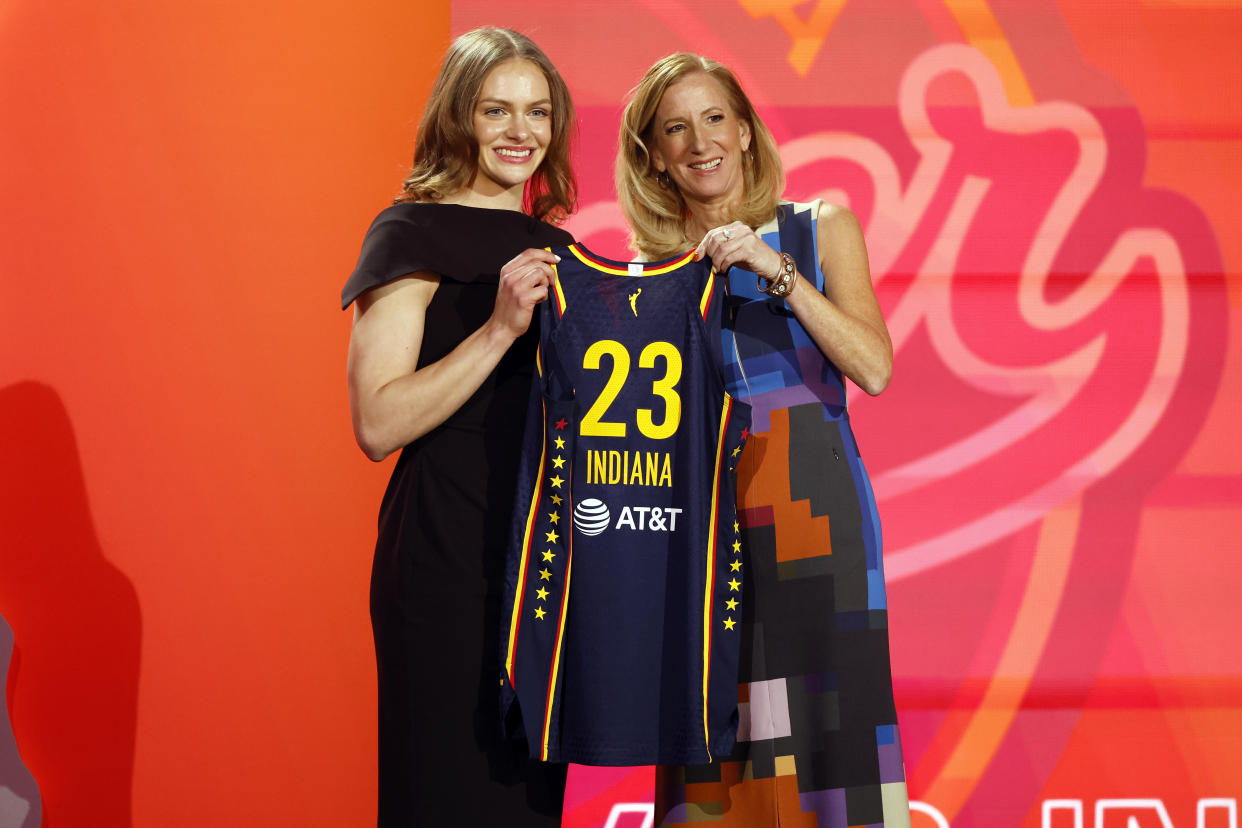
x=728, y=234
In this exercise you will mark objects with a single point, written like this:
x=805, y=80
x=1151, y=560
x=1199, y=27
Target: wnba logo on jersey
x=592, y=517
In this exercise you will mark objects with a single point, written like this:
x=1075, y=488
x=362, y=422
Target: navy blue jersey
x=623, y=584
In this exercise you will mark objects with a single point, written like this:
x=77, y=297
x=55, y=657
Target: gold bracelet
x=781, y=284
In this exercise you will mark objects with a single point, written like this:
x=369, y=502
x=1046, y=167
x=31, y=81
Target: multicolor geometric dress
x=817, y=745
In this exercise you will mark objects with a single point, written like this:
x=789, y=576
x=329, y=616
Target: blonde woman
x=440, y=359
x=817, y=740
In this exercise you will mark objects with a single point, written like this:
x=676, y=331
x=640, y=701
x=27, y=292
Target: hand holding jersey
x=523, y=284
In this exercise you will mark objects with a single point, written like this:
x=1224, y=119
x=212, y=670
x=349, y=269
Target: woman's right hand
x=524, y=282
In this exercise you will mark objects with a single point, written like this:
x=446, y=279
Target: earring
x=663, y=180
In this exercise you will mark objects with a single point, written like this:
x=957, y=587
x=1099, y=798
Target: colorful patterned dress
x=818, y=745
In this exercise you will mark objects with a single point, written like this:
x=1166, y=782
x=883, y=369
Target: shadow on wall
x=73, y=680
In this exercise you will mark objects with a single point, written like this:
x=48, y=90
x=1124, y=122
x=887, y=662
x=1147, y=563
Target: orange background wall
x=185, y=522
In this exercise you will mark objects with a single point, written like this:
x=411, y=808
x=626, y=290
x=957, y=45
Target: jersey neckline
x=634, y=269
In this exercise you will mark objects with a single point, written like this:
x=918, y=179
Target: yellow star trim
x=539, y=613
x=556, y=481
x=731, y=604
x=729, y=623
x=552, y=536
x=737, y=451
x=548, y=555
x=545, y=575
x=735, y=529
x=555, y=517
x=556, y=499
x=560, y=444
x=735, y=566
x=737, y=546
x=734, y=584
x=543, y=593
x=558, y=461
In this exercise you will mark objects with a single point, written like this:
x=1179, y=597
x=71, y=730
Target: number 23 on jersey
x=594, y=423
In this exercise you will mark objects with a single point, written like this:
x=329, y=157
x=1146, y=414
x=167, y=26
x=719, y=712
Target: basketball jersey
x=623, y=581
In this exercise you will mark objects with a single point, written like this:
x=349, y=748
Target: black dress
x=443, y=525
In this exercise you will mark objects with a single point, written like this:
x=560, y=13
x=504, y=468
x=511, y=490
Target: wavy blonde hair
x=657, y=212
x=446, y=151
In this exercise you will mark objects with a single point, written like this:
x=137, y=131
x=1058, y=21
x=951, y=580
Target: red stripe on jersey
x=709, y=580
x=515, y=622
x=560, y=630
x=709, y=290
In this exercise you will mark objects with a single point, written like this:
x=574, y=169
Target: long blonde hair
x=446, y=151
x=656, y=211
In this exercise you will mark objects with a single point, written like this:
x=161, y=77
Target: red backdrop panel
x=1047, y=193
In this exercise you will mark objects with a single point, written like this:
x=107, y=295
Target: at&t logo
x=592, y=516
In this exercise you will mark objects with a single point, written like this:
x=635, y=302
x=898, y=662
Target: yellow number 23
x=593, y=424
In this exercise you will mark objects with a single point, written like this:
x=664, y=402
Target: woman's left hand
x=736, y=244
x=844, y=321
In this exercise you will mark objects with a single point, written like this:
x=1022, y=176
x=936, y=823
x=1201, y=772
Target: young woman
x=817, y=738
x=440, y=361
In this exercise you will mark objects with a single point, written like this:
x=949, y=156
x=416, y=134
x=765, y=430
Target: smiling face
x=513, y=125
x=698, y=140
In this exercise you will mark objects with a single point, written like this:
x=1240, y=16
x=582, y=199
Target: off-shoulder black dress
x=443, y=523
